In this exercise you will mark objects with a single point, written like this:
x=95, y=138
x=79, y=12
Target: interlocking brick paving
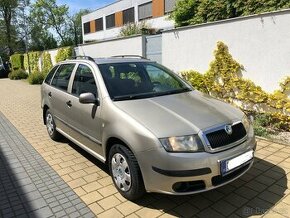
x=263, y=191
x=29, y=187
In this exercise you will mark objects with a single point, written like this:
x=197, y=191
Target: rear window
x=62, y=76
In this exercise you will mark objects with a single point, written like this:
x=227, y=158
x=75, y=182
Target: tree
x=184, y=11
x=189, y=12
x=40, y=38
x=7, y=12
x=51, y=16
x=76, y=26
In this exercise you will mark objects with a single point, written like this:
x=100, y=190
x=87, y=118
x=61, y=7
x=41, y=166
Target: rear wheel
x=125, y=172
x=51, y=127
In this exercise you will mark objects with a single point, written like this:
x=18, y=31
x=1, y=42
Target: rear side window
x=84, y=81
x=62, y=76
x=50, y=75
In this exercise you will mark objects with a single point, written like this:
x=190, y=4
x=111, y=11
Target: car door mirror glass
x=88, y=98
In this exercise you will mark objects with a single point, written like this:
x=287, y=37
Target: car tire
x=125, y=172
x=51, y=127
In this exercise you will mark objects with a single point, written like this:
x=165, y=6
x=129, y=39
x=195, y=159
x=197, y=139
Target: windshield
x=126, y=81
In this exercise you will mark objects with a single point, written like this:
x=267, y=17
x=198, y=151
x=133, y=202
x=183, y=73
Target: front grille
x=222, y=138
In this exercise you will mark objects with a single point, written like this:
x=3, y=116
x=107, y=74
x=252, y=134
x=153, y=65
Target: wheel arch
x=45, y=108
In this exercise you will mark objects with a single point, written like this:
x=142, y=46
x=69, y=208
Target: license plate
x=234, y=163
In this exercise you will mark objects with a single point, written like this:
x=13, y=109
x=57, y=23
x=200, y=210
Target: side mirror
x=88, y=98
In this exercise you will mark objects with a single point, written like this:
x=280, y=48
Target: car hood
x=179, y=114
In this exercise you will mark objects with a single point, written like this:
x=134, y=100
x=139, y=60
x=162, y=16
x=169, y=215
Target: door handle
x=49, y=94
x=68, y=103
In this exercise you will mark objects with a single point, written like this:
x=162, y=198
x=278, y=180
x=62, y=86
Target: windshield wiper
x=149, y=94
x=133, y=96
x=174, y=91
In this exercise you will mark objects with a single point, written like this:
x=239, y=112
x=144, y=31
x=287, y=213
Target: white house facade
x=106, y=22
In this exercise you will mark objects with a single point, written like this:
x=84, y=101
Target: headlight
x=191, y=143
x=246, y=123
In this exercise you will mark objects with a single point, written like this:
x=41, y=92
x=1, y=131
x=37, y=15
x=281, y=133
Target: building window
x=169, y=5
x=110, y=21
x=145, y=11
x=87, y=28
x=99, y=24
x=128, y=16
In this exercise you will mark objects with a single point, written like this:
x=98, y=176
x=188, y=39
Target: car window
x=62, y=76
x=84, y=81
x=50, y=75
x=136, y=80
x=159, y=77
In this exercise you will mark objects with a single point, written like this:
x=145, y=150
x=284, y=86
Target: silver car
x=155, y=132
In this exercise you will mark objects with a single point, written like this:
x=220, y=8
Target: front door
x=84, y=119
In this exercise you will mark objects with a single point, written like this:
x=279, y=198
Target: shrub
x=17, y=61
x=18, y=74
x=133, y=29
x=46, y=62
x=63, y=54
x=260, y=131
x=33, y=61
x=196, y=79
x=36, y=78
x=224, y=81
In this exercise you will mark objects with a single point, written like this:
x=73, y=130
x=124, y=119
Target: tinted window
x=87, y=28
x=145, y=11
x=99, y=24
x=84, y=81
x=128, y=16
x=110, y=21
x=50, y=75
x=62, y=76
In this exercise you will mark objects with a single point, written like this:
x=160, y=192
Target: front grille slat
x=221, y=138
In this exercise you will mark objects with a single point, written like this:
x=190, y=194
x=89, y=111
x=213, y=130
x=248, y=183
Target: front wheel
x=125, y=172
x=50, y=126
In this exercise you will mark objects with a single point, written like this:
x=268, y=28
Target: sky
x=76, y=5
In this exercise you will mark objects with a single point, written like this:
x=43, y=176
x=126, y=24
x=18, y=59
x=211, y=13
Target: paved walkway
x=29, y=187
x=263, y=191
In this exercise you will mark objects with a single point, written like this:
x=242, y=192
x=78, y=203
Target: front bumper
x=188, y=173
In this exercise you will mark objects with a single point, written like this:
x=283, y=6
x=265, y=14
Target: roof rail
x=82, y=57
x=128, y=56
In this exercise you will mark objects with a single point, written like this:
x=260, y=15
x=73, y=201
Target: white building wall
x=158, y=23
x=124, y=46
x=261, y=43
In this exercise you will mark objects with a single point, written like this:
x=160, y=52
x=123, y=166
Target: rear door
x=85, y=119
x=59, y=97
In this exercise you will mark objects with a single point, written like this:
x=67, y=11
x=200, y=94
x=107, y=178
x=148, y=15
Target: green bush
x=18, y=74
x=133, y=29
x=33, y=61
x=63, y=54
x=224, y=81
x=36, y=78
x=46, y=62
x=196, y=79
x=17, y=61
x=260, y=131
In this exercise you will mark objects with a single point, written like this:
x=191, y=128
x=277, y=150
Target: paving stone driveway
x=263, y=191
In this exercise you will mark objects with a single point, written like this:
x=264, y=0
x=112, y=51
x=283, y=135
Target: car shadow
x=254, y=193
